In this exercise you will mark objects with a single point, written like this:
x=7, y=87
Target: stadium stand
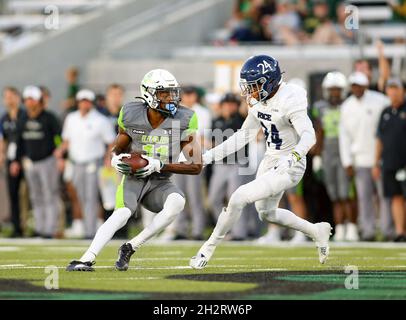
x=23, y=22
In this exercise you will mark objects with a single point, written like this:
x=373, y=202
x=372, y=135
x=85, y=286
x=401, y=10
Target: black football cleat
x=124, y=255
x=77, y=265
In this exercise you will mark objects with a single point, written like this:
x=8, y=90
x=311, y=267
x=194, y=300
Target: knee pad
x=239, y=199
x=121, y=216
x=174, y=203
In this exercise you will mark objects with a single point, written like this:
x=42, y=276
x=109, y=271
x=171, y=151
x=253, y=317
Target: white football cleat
x=199, y=261
x=322, y=237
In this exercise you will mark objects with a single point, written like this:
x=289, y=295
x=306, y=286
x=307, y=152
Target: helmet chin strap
x=170, y=108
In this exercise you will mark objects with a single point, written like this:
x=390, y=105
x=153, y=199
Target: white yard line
x=129, y=278
x=21, y=266
x=234, y=268
x=10, y=249
x=6, y=266
x=155, y=243
x=270, y=269
x=68, y=249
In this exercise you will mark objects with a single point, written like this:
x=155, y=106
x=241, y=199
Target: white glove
x=154, y=165
x=207, y=158
x=119, y=165
x=287, y=162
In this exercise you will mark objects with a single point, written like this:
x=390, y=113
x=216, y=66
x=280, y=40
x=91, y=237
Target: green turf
x=160, y=271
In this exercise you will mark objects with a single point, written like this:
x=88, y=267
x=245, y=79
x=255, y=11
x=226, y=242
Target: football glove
x=154, y=165
x=119, y=165
x=287, y=162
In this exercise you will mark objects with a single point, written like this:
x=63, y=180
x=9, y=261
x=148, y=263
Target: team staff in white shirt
x=280, y=109
x=85, y=134
x=358, y=124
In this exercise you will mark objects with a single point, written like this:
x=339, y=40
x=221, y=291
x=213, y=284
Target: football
x=136, y=161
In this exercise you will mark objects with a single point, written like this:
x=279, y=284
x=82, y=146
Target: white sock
x=288, y=219
x=173, y=205
x=106, y=231
x=225, y=222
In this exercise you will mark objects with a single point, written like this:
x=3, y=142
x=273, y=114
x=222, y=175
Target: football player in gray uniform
x=160, y=129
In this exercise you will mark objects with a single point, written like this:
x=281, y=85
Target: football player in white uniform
x=280, y=109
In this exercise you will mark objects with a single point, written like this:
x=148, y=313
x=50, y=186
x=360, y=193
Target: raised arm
x=384, y=66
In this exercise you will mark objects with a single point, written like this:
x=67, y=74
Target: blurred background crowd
x=355, y=177
x=293, y=22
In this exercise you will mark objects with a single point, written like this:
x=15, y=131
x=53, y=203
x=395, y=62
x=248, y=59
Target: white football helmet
x=334, y=79
x=158, y=86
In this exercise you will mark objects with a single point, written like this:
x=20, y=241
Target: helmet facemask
x=251, y=88
x=164, y=100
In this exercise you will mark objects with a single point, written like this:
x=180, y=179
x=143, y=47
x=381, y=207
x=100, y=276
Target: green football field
x=35, y=269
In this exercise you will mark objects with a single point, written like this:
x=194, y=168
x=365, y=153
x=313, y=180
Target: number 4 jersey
x=282, y=117
x=163, y=142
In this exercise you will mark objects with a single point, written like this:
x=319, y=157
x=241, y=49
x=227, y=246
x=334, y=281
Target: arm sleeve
x=344, y=140
x=304, y=128
x=247, y=133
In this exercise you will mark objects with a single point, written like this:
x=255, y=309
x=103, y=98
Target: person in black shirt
x=391, y=153
x=40, y=132
x=9, y=127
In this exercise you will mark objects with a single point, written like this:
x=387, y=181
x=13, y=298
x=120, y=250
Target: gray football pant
x=366, y=217
x=43, y=184
x=85, y=177
x=191, y=185
x=224, y=181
